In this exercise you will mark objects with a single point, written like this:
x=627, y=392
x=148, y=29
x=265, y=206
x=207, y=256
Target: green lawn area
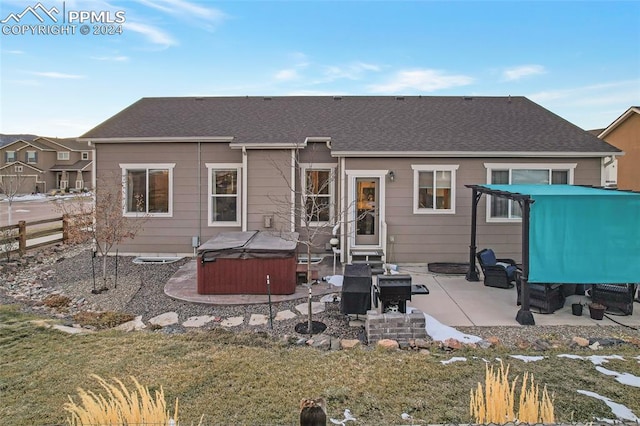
x=249, y=379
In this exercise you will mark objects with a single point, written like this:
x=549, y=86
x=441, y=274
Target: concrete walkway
x=451, y=300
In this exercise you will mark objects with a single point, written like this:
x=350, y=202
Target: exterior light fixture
x=392, y=176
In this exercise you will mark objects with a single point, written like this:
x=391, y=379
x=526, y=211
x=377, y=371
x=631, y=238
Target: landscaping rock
x=321, y=341
x=580, y=341
x=422, y=343
x=316, y=308
x=388, y=344
x=258, y=319
x=349, y=343
x=493, y=340
x=453, y=344
x=71, y=330
x=133, y=325
x=285, y=315
x=198, y=321
x=166, y=319
x=232, y=322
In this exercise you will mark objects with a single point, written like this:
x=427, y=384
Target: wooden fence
x=36, y=230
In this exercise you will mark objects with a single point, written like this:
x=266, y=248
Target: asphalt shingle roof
x=359, y=123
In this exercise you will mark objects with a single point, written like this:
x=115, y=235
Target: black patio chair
x=547, y=298
x=616, y=297
x=499, y=273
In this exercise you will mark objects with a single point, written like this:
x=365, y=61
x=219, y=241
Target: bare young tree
x=102, y=221
x=11, y=181
x=313, y=214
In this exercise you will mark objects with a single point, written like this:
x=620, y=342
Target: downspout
x=293, y=192
x=245, y=188
x=344, y=212
x=199, y=196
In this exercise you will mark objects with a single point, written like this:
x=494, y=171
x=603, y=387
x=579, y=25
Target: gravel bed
x=139, y=290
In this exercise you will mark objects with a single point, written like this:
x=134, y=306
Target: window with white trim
x=224, y=194
x=31, y=157
x=10, y=156
x=501, y=209
x=434, y=189
x=148, y=189
x=63, y=155
x=85, y=155
x=318, y=199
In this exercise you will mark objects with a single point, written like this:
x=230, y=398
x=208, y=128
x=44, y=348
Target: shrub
x=56, y=301
x=497, y=403
x=120, y=406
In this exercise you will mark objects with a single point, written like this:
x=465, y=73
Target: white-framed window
x=17, y=169
x=148, y=189
x=64, y=184
x=224, y=194
x=434, y=188
x=85, y=155
x=319, y=193
x=63, y=155
x=504, y=210
x=79, y=184
x=9, y=156
x=31, y=157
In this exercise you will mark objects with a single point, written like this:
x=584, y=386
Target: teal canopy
x=581, y=234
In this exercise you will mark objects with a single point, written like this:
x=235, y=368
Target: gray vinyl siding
x=171, y=235
x=269, y=189
x=424, y=238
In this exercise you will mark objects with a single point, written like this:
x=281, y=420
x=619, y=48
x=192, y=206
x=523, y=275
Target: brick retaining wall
x=396, y=326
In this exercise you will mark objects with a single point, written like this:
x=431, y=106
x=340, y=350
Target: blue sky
x=581, y=60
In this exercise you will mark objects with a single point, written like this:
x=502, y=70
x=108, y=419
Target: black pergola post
x=524, y=315
x=472, y=273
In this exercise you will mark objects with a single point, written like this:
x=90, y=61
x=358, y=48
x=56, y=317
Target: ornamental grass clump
x=120, y=406
x=496, y=404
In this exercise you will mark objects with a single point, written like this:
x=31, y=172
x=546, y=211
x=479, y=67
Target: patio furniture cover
x=581, y=234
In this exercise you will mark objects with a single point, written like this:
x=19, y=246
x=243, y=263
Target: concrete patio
x=452, y=300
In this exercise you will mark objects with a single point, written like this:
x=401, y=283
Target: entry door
x=367, y=211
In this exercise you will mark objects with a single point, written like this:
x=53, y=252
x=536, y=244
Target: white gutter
x=469, y=154
x=343, y=211
x=259, y=145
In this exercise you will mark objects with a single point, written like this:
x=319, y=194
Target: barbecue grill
x=393, y=291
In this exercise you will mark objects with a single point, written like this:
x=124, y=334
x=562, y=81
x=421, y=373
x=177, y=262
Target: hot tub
x=239, y=262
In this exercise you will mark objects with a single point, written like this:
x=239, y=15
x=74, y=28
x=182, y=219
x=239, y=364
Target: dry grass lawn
x=248, y=379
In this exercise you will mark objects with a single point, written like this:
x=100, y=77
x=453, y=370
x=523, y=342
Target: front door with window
x=367, y=200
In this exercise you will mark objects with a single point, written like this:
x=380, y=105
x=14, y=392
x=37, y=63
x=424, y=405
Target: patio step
x=372, y=257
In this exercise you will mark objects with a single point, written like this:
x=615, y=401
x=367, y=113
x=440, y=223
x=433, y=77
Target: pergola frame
x=524, y=315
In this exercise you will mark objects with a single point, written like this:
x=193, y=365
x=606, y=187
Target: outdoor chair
x=547, y=298
x=499, y=273
x=618, y=297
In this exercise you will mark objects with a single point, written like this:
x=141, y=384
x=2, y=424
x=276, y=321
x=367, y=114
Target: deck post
x=472, y=273
x=524, y=315
x=22, y=237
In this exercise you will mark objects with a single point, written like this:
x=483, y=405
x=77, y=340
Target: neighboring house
x=45, y=163
x=624, y=133
x=397, y=168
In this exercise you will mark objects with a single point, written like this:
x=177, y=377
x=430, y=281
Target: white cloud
x=424, y=80
x=57, y=75
x=153, y=34
x=286, y=75
x=594, y=93
x=593, y=106
x=186, y=9
x=516, y=73
x=13, y=52
x=111, y=58
x=351, y=71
